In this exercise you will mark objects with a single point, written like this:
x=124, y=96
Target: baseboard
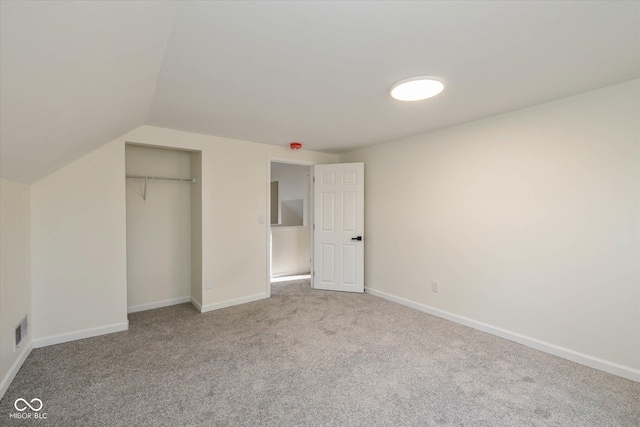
x=159, y=304
x=290, y=278
x=85, y=333
x=13, y=370
x=197, y=305
x=565, y=353
x=232, y=302
x=290, y=273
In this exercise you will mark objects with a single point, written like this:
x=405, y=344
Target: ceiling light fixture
x=417, y=88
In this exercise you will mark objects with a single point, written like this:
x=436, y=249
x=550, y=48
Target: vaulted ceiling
x=75, y=75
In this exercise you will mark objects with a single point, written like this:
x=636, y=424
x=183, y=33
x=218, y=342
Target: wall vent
x=21, y=332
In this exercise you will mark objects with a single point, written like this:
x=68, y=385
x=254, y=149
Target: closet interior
x=164, y=227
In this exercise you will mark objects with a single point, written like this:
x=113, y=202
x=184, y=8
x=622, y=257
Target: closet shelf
x=159, y=178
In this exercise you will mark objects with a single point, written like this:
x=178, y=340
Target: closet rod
x=162, y=178
x=146, y=178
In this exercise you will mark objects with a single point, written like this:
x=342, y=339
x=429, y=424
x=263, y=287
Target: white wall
x=79, y=231
x=234, y=196
x=529, y=220
x=158, y=229
x=292, y=185
x=196, y=228
x=15, y=276
x=78, y=242
x=290, y=251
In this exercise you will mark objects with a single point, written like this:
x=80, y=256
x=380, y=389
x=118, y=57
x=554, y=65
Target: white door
x=338, y=230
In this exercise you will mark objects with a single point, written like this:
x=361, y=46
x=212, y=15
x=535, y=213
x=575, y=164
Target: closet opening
x=164, y=227
x=290, y=221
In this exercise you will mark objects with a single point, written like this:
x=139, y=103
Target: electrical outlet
x=209, y=284
x=435, y=286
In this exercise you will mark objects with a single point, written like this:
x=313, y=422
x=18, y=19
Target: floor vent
x=21, y=332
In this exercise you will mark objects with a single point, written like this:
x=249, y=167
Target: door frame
x=291, y=161
x=270, y=203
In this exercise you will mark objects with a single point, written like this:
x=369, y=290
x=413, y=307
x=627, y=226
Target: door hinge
x=314, y=274
x=314, y=226
x=314, y=179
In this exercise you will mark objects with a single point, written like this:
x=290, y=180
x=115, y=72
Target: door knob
x=359, y=238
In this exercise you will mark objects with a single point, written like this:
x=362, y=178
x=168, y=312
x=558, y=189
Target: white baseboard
x=85, y=333
x=197, y=305
x=159, y=304
x=232, y=302
x=290, y=273
x=565, y=353
x=13, y=370
x=289, y=278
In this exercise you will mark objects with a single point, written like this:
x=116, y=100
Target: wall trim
x=79, y=335
x=290, y=273
x=290, y=278
x=13, y=370
x=159, y=304
x=232, y=302
x=196, y=304
x=565, y=353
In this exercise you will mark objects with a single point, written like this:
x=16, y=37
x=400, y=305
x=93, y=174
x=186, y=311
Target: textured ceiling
x=75, y=75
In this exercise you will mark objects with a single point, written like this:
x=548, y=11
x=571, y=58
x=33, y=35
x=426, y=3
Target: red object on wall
x=295, y=146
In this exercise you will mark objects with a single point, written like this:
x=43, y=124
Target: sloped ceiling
x=77, y=75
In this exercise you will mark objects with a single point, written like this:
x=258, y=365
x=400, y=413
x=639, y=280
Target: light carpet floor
x=312, y=358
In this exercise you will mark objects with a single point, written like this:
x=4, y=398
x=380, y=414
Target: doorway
x=332, y=219
x=289, y=220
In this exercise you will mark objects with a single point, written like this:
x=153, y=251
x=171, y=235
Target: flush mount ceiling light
x=417, y=88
